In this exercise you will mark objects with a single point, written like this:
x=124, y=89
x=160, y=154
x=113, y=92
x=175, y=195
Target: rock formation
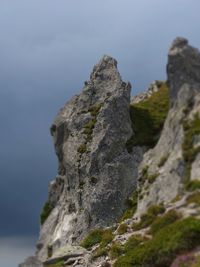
x=128, y=183
x=96, y=173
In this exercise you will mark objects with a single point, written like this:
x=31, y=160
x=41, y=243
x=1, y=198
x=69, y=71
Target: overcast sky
x=47, y=51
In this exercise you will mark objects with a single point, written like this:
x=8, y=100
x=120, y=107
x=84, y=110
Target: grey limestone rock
x=96, y=173
x=184, y=81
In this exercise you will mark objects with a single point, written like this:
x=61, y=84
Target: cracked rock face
x=96, y=173
x=166, y=161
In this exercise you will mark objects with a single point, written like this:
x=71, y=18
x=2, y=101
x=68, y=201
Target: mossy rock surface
x=191, y=129
x=47, y=208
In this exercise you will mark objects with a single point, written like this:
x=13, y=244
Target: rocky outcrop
x=96, y=173
x=106, y=167
x=153, y=88
x=166, y=161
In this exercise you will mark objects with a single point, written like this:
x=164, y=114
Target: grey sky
x=47, y=50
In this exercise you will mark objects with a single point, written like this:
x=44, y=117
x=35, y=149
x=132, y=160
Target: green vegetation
x=122, y=229
x=98, y=236
x=94, y=110
x=162, y=221
x=99, y=252
x=193, y=185
x=45, y=212
x=177, y=198
x=147, y=177
x=197, y=262
x=151, y=178
x=194, y=198
x=82, y=148
x=133, y=242
x=131, y=204
x=116, y=250
x=148, y=118
x=160, y=251
x=191, y=129
x=149, y=217
x=144, y=175
x=57, y=264
x=163, y=160
x=89, y=127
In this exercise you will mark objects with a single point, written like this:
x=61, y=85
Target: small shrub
x=133, y=242
x=57, y=264
x=122, y=229
x=116, y=250
x=162, y=221
x=191, y=129
x=151, y=178
x=131, y=204
x=194, y=198
x=97, y=236
x=193, y=185
x=45, y=212
x=90, y=125
x=99, y=252
x=82, y=148
x=160, y=251
x=148, y=218
x=177, y=198
x=94, y=110
x=144, y=175
x=163, y=160
x=93, y=238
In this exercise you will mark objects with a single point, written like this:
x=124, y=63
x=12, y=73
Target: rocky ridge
x=117, y=200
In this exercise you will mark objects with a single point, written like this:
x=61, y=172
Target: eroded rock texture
x=96, y=173
x=165, y=164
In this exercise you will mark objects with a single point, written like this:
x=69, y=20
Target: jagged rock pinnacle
x=183, y=66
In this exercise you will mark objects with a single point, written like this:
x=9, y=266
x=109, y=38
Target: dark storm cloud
x=47, y=50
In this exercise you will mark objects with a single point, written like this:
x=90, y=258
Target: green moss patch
x=82, y=148
x=94, y=110
x=194, y=198
x=160, y=251
x=191, y=129
x=47, y=208
x=164, y=220
x=163, y=160
x=98, y=236
x=149, y=217
x=133, y=242
x=131, y=204
x=145, y=176
x=116, y=250
x=148, y=118
x=57, y=264
x=122, y=229
x=193, y=185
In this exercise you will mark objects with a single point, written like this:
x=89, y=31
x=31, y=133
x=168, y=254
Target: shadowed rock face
x=96, y=173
